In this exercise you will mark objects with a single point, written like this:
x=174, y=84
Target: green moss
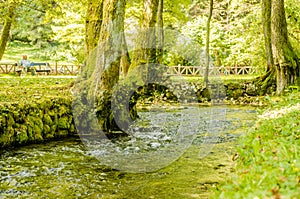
x=21, y=136
x=10, y=120
x=47, y=119
x=63, y=123
x=62, y=133
x=53, y=128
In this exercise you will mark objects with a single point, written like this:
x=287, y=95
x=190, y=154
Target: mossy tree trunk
x=282, y=62
x=145, y=52
x=285, y=59
x=125, y=58
x=108, y=58
x=6, y=28
x=93, y=24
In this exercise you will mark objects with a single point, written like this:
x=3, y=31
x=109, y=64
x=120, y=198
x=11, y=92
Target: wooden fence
x=200, y=70
x=71, y=69
x=56, y=68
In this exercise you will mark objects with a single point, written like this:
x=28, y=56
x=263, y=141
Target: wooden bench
x=42, y=67
x=47, y=69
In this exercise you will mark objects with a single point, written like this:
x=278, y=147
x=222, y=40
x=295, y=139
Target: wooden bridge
x=72, y=69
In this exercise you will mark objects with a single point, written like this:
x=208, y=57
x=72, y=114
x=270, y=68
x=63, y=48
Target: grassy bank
x=267, y=158
x=32, y=88
x=34, y=109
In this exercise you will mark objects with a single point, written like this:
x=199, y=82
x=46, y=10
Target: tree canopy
x=236, y=27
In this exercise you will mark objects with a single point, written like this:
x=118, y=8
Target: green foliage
x=236, y=33
x=268, y=164
x=293, y=20
x=57, y=28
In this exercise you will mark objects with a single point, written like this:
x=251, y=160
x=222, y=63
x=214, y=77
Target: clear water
x=67, y=169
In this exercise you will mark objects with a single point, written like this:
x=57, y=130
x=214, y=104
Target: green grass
x=26, y=89
x=269, y=161
x=51, y=54
x=14, y=52
x=225, y=79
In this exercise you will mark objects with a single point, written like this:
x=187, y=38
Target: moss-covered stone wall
x=40, y=120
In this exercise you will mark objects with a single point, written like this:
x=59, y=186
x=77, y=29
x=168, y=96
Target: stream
x=183, y=158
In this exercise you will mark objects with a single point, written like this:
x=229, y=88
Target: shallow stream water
x=67, y=169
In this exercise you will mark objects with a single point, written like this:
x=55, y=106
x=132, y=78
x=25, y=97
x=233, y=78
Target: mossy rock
x=72, y=129
x=237, y=93
x=47, y=133
x=7, y=137
x=62, y=133
x=30, y=133
x=53, y=128
x=251, y=90
x=63, y=123
x=21, y=136
x=47, y=119
x=10, y=120
x=2, y=121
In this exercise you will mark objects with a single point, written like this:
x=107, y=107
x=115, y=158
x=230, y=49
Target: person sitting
x=27, y=65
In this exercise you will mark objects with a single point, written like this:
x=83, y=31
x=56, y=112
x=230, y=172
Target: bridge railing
x=72, y=69
x=200, y=70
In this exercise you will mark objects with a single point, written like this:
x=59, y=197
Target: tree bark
x=93, y=25
x=282, y=62
x=160, y=32
x=266, y=22
x=145, y=52
x=108, y=58
x=207, y=57
x=6, y=28
x=285, y=59
x=125, y=58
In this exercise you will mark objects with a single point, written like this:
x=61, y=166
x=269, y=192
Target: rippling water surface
x=67, y=169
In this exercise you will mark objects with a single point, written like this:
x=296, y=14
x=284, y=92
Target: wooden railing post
x=56, y=72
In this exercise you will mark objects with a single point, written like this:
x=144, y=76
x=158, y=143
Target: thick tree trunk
x=108, y=58
x=281, y=59
x=207, y=58
x=93, y=25
x=6, y=28
x=285, y=59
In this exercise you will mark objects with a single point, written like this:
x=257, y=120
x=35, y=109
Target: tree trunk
x=207, y=58
x=160, y=32
x=125, y=58
x=93, y=25
x=285, y=59
x=108, y=58
x=6, y=28
x=145, y=52
x=266, y=22
x=282, y=62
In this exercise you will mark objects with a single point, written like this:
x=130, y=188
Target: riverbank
x=267, y=157
x=37, y=109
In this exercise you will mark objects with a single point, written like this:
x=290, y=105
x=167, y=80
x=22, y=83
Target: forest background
x=55, y=30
